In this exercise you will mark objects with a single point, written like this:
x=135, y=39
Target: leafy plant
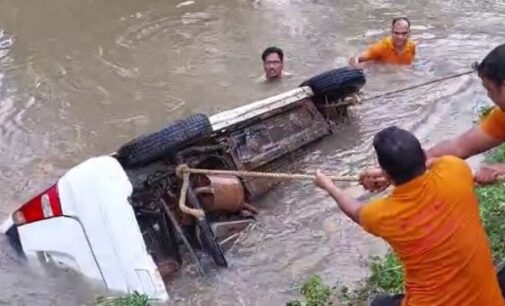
x=315, y=293
x=386, y=277
x=497, y=155
x=492, y=211
x=134, y=299
x=387, y=274
x=492, y=207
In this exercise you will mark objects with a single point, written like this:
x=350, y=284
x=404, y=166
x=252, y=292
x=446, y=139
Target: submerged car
x=116, y=218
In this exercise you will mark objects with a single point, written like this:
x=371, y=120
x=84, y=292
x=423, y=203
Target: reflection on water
x=82, y=77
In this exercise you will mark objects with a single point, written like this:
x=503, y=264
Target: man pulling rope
x=431, y=220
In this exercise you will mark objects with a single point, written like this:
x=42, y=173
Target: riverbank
x=386, y=273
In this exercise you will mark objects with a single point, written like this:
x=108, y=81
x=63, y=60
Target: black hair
x=492, y=66
x=395, y=20
x=270, y=50
x=400, y=154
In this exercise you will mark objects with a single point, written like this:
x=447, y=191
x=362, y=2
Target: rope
x=419, y=85
x=357, y=100
x=197, y=213
x=184, y=171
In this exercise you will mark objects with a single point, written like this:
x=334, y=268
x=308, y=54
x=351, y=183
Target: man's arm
x=347, y=204
x=374, y=52
x=470, y=143
x=357, y=60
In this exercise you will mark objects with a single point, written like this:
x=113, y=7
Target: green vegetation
x=315, y=293
x=386, y=278
x=492, y=202
x=134, y=299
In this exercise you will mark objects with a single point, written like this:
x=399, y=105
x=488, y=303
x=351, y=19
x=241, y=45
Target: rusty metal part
x=167, y=267
x=337, y=110
x=272, y=140
x=227, y=232
x=224, y=229
x=209, y=240
x=221, y=193
x=181, y=234
x=198, y=150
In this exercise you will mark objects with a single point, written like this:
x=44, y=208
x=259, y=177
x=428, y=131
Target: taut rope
x=184, y=171
x=452, y=76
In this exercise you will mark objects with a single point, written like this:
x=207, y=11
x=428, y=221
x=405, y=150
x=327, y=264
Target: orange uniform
x=494, y=124
x=385, y=52
x=433, y=224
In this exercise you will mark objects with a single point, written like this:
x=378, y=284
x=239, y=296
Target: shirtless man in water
x=397, y=48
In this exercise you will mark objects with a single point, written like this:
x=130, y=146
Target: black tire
x=148, y=148
x=336, y=83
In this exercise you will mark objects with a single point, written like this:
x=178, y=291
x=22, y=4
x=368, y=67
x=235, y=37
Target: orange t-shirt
x=494, y=124
x=384, y=51
x=433, y=225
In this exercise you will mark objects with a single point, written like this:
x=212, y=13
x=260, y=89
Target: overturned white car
x=116, y=218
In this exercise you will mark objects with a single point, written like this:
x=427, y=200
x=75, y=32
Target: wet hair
x=400, y=154
x=492, y=66
x=395, y=20
x=271, y=50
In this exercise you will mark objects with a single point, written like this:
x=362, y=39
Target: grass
x=315, y=293
x=492, y=201
x=134, y=299
x=387, y=272
x=386, y=277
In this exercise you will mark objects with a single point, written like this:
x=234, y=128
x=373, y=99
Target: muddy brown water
x=79, y=78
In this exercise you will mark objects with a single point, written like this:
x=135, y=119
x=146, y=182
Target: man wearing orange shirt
x=395, y=49
x=488, y=134
x=431, y=220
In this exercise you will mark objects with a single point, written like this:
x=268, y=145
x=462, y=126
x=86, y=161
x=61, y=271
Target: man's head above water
x=399, y=154
x=492, y=73
x=400, y=31
x=273, y=62
x=397, y=48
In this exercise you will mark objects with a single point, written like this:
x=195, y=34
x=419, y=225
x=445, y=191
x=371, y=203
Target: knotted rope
x=183, y=171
